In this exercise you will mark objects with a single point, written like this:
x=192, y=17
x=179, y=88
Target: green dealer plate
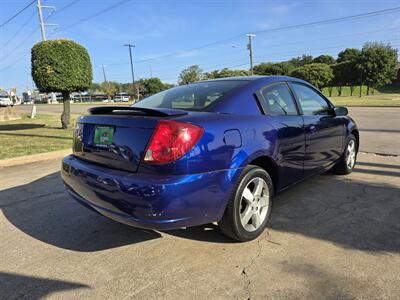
x=103, y=135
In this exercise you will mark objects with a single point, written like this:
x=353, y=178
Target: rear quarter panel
x=213, y=152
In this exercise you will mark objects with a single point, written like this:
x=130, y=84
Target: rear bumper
x=149, y=201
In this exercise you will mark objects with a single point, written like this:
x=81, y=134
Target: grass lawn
x=384, y=96
x=32, y=136
x=371, y=100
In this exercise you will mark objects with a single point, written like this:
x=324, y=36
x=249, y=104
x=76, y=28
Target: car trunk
x=117, y=137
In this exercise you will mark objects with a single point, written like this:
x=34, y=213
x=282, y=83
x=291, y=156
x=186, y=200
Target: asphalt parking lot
x=330, y=237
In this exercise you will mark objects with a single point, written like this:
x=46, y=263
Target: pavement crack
x=246, y=267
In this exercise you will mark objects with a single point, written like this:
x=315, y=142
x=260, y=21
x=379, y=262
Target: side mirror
x=341, y=111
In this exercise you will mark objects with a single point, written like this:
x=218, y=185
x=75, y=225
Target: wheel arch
x=355, y=132
x=268, y=164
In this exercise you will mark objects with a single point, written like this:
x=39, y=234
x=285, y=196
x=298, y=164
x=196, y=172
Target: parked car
x=212, y=151
x=121, y=97
x=5, y=100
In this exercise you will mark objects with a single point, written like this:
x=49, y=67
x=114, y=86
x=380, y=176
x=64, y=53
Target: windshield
x=196, y=96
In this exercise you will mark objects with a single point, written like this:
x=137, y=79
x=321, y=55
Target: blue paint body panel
x=195, y=189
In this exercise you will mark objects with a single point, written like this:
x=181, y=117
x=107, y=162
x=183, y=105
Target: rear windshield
x=196, y=96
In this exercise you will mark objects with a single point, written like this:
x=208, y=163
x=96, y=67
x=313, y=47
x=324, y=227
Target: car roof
x=259, y=78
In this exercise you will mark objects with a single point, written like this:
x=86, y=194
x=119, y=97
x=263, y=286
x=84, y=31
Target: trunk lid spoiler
x=127, y=110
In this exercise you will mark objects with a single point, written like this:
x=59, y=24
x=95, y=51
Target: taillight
x=171, y=140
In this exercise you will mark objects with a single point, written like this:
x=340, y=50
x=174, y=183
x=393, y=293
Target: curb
x=22, y=160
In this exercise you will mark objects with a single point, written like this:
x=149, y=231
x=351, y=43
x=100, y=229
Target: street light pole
x=250, y=48
x=130, y=46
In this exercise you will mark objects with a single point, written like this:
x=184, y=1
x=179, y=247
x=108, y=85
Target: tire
x=233, y=223
x=346, y=165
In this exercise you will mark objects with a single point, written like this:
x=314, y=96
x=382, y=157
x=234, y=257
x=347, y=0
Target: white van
x=5, y=100
x=121, y=97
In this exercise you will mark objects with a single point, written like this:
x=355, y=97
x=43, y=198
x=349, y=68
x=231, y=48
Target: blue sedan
x=212, y=151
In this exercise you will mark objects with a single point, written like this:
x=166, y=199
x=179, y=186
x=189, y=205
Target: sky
x=172, y=35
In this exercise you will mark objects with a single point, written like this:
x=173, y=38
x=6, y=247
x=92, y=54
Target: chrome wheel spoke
x=264, y=200
x=246, y=215
x=248, y=195
x=259, y=185
x=256, y=220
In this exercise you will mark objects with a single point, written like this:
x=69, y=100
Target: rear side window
x=278, y=100
x=310, y=101
x=196, y=96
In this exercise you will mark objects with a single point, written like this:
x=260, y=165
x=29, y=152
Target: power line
x=334, y=20
x=259, y=60
x=18, y=31
x=16, y=14
x=295, y=42
x=108, y=8
x=282, y=28
x=292, y=54
x=31, y=33
x=65, y=7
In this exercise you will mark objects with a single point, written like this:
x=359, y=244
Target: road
x=379, y=127
x=332, y=237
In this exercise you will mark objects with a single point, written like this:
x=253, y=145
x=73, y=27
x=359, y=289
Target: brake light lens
x=171, y=140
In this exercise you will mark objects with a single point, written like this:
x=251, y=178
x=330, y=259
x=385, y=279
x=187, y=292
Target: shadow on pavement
x=205, y=233
x=381, y=130
x=379, y=165
x=22, y=126
x=15, y=286
x=38, y=135
x=43, y=210
x=350, y=213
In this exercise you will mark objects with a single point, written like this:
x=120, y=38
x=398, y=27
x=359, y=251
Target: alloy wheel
x=351, y=154
x=254, y=204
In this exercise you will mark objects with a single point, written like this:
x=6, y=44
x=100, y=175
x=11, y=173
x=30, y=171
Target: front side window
x=196, y=96
x=278, y=100
x=310, y=101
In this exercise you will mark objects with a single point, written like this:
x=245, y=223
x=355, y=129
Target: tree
x=319, y=75
x=61, y=66
x=109, y=88
x=324, y=59
x=349, y=65
x=349, y=54
x=339, y=77
x=281, y=68
x=301, y=60
x=95, y=87
x=225, y=73
x=190, y=75
x=378, y=64
x=152, y=86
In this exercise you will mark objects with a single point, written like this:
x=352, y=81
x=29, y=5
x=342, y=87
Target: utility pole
x=130, y=46
x=250, y=48
x=41, y=22
x=104, y=72
x=361, y=75
x=42, y=29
